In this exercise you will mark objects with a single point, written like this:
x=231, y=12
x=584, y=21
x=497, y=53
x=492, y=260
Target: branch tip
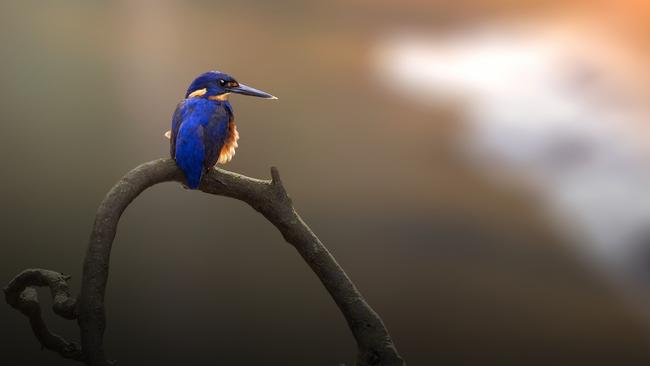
x=275, y=176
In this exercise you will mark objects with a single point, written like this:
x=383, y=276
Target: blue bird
x=203, y=126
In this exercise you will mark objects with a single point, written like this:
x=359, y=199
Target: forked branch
x=375, y=346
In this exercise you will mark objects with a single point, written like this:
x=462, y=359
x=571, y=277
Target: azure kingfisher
x=203, y=126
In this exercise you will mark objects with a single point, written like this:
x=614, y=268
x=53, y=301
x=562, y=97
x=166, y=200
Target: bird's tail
x=193, y=182
x=192, y=178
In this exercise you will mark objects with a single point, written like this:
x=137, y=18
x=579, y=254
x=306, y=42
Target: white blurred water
x=560, y=109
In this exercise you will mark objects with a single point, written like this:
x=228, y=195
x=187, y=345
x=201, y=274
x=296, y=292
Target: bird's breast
x=230, y=143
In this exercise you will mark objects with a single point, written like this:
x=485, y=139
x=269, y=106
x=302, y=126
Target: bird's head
x=217, y=85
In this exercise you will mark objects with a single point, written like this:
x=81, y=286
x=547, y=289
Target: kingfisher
x=203, y=125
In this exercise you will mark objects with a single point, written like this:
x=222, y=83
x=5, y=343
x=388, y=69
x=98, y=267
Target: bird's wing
x=177, y=120
x=218, y=137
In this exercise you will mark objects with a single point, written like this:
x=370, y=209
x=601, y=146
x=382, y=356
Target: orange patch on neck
x=197, y=93
x=220, y=97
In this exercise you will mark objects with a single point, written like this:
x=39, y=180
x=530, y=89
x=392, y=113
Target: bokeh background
x=479, y=168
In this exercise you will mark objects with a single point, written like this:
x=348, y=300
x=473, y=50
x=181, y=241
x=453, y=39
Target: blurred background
x=479, y=168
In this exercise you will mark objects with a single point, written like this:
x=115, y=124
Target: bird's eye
x=222, y=82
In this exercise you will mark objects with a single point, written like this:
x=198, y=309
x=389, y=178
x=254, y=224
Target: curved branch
x=21, y=295
x=375, y=346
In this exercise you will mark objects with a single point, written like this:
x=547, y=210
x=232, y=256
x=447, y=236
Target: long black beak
x=247, y=90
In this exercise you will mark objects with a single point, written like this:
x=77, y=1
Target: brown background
x=464, y=272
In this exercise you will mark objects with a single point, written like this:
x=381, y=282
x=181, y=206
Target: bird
x=203, y=131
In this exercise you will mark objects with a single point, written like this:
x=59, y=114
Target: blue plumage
x=203, y=129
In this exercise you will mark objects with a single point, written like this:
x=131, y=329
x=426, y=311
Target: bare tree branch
x=21, y=294
x=375, y=346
